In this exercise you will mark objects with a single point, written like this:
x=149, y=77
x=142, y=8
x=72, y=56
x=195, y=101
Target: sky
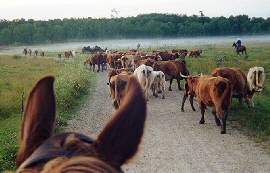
x=60, y=9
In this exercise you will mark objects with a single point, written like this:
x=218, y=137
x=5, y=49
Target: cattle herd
x=132, y=74
x=212, y=91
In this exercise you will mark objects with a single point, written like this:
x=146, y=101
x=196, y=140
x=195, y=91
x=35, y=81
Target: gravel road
x=174, y=141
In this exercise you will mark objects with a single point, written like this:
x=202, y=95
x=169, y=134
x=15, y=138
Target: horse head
x=75, y=152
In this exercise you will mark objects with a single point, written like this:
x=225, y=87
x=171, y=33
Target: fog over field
x=145, y=43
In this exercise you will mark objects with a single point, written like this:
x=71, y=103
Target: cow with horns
x=238, y=79
x=256, y=78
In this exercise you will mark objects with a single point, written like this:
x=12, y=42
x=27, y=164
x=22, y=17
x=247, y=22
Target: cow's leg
x=163, y=91
x=184, y=100
x=90, y=65
x=170, y=87
x=223, y=126
x=160, y=89
x=178, y=83
x=214, y=112
x=154, y=90
x=202, y=112
x=98, y=67
x=191, y=102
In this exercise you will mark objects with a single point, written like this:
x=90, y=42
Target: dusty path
x=174, y=141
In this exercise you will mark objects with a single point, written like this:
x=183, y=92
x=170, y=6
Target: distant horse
x=240, y=49
x=25, y=51
x=30, y=52
x=36, y=52
x=41, y=54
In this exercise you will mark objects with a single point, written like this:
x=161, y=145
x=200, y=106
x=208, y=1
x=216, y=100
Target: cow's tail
x=225, y=92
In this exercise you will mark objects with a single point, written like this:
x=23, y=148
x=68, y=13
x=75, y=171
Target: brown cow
x=68, y=54
x=195, y=53
x=215, y=92
x=238, y=79
x=167, y=56
x=118, y=142
x=182, y=52
x=149, y=62
x=97, y=59
x=114, y=60
x=117, y=82
x=41, y=54
x=172, y=70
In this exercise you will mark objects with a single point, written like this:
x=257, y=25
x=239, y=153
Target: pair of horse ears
x=117, y=142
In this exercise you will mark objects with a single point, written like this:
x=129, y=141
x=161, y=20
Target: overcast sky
x=59, y=9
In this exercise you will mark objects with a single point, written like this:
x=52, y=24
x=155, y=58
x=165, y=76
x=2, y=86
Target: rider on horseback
x=238, y=42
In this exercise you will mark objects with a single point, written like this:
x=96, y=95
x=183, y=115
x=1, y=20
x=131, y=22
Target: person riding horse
x=238, y=42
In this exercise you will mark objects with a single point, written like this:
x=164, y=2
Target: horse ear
x=39, y=117
x=121, y=137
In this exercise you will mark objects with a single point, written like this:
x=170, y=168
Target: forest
x=29, y=32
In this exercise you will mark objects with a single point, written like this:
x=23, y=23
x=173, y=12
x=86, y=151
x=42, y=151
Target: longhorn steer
x=256, y=78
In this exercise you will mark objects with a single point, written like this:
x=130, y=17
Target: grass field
x=19, y=74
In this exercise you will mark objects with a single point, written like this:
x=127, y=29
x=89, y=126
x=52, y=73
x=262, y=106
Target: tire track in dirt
x=174, y=141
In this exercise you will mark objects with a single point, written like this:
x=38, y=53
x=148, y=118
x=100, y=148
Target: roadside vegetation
x=18, y=75
x=73, y=79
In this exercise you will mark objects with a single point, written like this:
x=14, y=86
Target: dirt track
x=174, y=141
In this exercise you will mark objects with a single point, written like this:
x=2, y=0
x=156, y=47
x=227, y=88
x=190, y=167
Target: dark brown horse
x=240, y=49
x=75, y=152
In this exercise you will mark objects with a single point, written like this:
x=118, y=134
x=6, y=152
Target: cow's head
x=249, y=98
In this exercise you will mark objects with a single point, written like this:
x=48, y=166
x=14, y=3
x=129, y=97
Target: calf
x=215, y=92
x=145, y=77
x=256, y=78
x=158, y=84
x=118, y=142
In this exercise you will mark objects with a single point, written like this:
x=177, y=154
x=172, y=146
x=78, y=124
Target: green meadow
x=18, y=75
x=73, y=79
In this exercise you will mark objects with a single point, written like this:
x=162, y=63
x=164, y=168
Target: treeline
x=24, y=32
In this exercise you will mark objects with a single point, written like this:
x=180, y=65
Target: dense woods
x=24, y=32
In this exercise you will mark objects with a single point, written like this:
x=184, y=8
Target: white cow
x=256, y=78
x=158, y=84
x=145, y=77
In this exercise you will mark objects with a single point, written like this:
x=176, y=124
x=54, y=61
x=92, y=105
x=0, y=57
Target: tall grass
x=18, y=75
